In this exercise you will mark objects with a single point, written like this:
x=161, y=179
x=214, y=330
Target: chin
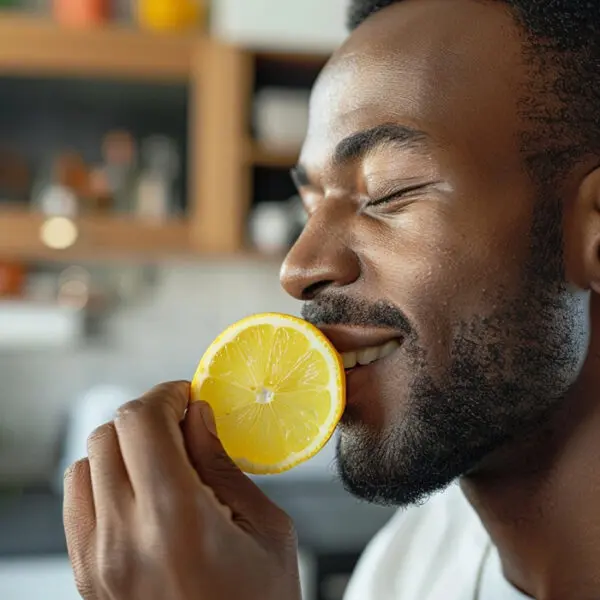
x=371, y=472
x=400, y=450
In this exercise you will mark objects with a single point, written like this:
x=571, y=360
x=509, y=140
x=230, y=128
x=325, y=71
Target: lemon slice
x=277, y=388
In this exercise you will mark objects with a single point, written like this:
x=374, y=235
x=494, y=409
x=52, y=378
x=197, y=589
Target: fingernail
x=209, y=418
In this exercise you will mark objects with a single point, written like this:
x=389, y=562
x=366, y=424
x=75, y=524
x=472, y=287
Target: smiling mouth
x=362, y=346
x=367, y=356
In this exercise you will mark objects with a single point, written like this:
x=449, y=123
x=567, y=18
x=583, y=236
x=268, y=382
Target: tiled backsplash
x=160, y=339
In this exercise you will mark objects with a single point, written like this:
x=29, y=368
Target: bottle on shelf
x=123, y=11
x=99, y=195
x=15, y=184
x=161, y=166
x=120, y=154
x=12, y=279
x=82, y=13
x=55, y=190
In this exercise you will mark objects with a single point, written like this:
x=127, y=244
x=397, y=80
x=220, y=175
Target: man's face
x=426, y=230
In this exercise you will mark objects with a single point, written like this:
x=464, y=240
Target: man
x=451, y=174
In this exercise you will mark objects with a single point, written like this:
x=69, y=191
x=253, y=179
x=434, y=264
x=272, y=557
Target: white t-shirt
x=437, y=551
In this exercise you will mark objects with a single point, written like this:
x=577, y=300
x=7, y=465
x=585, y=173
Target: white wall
x=292, y=25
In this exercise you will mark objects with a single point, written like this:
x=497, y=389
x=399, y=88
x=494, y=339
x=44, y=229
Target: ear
x=582, y=234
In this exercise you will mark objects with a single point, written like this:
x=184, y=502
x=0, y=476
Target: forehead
x=452, y=68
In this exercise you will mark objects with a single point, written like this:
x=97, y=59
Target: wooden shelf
x=310, y=59
x=219, y=82
x=260, y=156
x=37, y=47
x=99, y=238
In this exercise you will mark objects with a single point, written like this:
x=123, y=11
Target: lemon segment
x=277, y=388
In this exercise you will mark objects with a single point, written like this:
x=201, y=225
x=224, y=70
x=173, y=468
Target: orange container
x=82, y=13
x=170, y=15
x=12, y=280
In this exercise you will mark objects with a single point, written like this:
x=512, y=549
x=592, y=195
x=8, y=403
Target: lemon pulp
x=276, y=385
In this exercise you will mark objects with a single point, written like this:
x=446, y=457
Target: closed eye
x=398, y=194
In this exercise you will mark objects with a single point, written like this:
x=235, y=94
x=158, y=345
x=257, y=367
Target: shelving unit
x=259, y=156
x=221, y=155
x=30, y=46
x=106, y=237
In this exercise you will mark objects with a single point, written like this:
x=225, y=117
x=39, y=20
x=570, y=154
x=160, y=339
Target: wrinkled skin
x=489, y=279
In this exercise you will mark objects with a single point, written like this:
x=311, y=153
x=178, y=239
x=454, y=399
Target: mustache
x=345, y=310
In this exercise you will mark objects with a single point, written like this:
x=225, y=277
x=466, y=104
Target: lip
x=359, y=380
x=359, y=387
x=349, y=339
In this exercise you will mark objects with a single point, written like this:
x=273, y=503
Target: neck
x=540, y=502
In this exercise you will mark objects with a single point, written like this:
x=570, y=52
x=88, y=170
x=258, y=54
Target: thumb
x=248, y=504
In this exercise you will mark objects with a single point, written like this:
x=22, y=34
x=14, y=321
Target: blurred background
x=145, y=204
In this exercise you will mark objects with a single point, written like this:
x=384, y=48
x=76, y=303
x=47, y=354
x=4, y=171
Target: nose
x=320, y=259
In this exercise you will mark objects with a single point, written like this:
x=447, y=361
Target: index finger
x=151, y=439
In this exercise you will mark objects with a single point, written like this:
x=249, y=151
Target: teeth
x=389, y=348
x=366, y=356
x=349, y=360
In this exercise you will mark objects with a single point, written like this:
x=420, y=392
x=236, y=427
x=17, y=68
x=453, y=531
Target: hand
x=159, y=512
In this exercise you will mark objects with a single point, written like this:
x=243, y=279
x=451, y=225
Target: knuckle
x=130, y=409
x=113, y=563
x=156, y=402
x=85, y=587
x=112, y=576
x=169, y=388
x=100, y=435
x=76, y=471
x=160, y=394
x=170, y=399
x=163, y=514
x=161, y=539
x=82, y=561
x=221, y=466
x=284, y=525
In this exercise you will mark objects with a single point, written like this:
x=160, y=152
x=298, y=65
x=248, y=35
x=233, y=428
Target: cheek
x=442, y=267
x=418, y=267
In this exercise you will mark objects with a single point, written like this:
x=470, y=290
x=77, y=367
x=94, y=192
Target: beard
x=508, y=374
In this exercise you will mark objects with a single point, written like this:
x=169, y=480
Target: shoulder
x=417, y=550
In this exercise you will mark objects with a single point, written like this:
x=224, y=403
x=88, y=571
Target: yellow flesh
x=271, y=394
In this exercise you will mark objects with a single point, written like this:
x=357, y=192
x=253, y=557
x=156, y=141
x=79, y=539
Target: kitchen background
x=145, y=204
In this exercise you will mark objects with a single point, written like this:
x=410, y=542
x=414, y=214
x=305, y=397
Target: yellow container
x=170, y=15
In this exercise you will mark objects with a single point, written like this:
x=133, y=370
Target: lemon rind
x=336, y=386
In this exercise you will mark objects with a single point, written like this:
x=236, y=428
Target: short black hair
x=562, y=100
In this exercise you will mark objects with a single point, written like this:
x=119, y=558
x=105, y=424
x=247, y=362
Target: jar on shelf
x=161, y=165
x=81, y=13
x=53, y=192
x=120, y=155
x=122, y=11
x=170, y=15
x=12, y=279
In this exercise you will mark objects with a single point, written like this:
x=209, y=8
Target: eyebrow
x=359, y=144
